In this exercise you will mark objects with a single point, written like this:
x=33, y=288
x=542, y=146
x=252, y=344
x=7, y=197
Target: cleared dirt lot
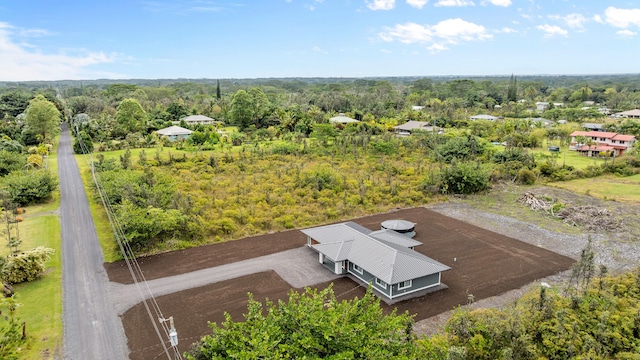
x=487, y=264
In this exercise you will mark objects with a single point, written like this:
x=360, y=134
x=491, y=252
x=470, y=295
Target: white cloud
x=622, y=18
x=318, y=49
x=21, y=63
x=417, y=3
x=504, y=3
x=508, y=30
x=575, y=21
x=381, y=4
x=408, y=33
x=552, y=30
x=625, y=33
x=598, y=19
x=438, y=36
x=454, y=3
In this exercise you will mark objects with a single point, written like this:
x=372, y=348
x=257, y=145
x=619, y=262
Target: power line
x=151, y=306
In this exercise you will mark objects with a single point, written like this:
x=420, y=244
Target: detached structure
x=174, y=133
x=484, y=117
x=383, y=258
x=410, y=126
x=601, y=142
x=342, y=119
x=198, y=119
x=632, y=114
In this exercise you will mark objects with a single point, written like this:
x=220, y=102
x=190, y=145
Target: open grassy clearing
x=566, y=157
x=608, y=187
x=41, y=300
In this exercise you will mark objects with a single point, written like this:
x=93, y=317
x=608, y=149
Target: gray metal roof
x=483, y=117
x=197, y=118
x=387, y=260
x=173, y=131
x=398, y=224
x=341, y=118
x=393, y=237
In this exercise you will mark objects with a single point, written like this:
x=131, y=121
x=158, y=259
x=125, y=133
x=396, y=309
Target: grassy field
x=609, y=187
x=41, y=300
x=566, y=157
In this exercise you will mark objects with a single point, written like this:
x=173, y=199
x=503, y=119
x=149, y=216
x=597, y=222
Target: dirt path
x=487, y=264
x=298, y=267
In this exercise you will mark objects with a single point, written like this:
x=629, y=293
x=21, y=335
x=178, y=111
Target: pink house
x=602, y=141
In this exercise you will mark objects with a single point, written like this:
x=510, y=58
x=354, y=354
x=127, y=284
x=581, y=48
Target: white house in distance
x=484, y=117
x=633, y=114
x=410, y=126
x=384, y=258
x=342, y=119
x=174, y=133
x=603, y=141
x=198, y=119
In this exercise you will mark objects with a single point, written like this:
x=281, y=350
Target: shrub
x=526, y=176
x=82, y=143
x=464, y=178
x=29, y=187
x=26, y=266
x=11, y=161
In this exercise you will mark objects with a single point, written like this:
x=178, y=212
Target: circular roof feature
x=398, y=225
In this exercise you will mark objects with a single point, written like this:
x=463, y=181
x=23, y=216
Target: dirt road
x=92, y=329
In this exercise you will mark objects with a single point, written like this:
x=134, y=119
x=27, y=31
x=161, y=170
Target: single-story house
x=542, y=105
x=384, y=258
x=174, y=133
x=198, y=119
x=634, y=114
x=543, y=121
x=342, y=119
x=417, y=107
x=592, y=127
x=484, y=117
x=410, y=126
x=602, y=141
x=558, y=104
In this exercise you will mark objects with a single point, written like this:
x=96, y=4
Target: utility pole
x=173, y=335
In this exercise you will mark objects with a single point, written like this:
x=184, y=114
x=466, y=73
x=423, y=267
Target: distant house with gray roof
x=384, y=258
x=198, y=119
x=342, y=119
x=412, y=125
x=174, y=133
x=484, y=117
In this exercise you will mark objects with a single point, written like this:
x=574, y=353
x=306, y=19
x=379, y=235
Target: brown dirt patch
x=487, y=264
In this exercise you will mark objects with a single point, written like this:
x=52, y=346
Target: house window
x=357, y=269
x=404, y=285
x=381, y=283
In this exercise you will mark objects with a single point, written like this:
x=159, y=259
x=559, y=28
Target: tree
x=260, y=105
x=42, y=118
x=218, y=95
x=311, y=325
x=512, y=90
x=83, y=143
x=13, y=103
x=130, y=117
x=241, y=109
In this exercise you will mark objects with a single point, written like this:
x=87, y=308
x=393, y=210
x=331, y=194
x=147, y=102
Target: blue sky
x=91, y=39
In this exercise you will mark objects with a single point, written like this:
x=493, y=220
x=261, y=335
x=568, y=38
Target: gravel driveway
x=92, y=329
x=304, y=271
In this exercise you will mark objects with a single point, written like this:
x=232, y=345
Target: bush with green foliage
x=311, y=325
x=12, y=340
x=25, y=266
x=526, y=177
x=145, y=228
x=464, y=178
x=460, y=148
x=29, y=187
x=11, y=161
x=86, y=146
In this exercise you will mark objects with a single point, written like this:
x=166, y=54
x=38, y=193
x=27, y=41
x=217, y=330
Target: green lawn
x=41, y=300
x=566, y=157
x=626, y=189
